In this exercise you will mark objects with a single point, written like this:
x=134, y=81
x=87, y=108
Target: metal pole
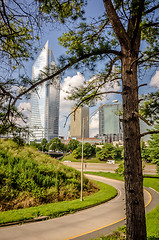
x=89, y=117
x=82, y=161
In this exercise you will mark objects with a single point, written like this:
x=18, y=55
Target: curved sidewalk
x=85, y=224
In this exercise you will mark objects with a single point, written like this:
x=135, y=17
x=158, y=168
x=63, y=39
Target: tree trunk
x=135, y=211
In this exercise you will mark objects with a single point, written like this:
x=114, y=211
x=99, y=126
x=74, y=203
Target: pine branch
x=116, y=24
x=6, y=93
x=93, y=53
x=151, y=9
x=86, y=99
x=137, y=21
x=150, y=132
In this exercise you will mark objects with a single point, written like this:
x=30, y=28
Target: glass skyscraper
x=109, y=122
x=44, y=119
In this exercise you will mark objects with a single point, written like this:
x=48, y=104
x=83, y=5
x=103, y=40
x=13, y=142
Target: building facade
x=80, y=118
x=110, y=127
x=44, y=118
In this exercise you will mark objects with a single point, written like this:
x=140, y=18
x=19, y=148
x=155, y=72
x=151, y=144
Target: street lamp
x=83, y=121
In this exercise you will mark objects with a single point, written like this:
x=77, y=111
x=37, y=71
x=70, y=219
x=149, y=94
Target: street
x=105, y=167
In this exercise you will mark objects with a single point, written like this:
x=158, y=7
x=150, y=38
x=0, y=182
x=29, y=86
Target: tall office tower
x=77, y=121
x=44, y=119
x=109, y=122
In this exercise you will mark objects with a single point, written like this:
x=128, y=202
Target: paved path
x=105, y=167
x=84, y=225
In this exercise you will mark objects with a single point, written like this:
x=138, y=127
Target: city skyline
x=75, y=77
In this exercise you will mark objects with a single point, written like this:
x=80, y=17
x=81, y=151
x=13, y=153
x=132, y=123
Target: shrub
x=41, y=178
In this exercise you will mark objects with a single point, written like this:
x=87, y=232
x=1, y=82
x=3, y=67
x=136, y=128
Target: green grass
x=93, y=160
x=152, y=224
x=152, y=182
x=69, y=157
x=148, y=181
x=107, y=174
x=89, y=160
x=52, y=210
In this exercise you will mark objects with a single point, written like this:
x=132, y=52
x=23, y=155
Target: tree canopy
x=150, y=106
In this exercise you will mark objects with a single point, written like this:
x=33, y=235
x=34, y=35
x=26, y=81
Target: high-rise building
x=44, y=119
x=110, y=126
x=109, y=122
x=80, y=117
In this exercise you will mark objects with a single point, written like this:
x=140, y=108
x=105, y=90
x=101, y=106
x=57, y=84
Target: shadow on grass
x=152, y=238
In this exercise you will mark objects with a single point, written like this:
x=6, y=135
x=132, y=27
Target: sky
x=76, y=78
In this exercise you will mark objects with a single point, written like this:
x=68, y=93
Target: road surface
x=105, y=167
x=85, y=224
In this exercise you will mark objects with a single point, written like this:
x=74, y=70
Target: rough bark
x=135, y=211
x=130, y=43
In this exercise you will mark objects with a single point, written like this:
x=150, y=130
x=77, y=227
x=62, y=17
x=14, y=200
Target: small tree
x=88, y=151
x=44, y=145
x=56, y=144
x=73, y=144
x=117, y=153
x=151, y=152
x=106, y=152
x=149, y=106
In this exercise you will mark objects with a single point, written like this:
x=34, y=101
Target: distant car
x=111, y=161
x=67, y=161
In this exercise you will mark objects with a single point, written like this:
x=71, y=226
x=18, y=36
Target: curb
x=37, y=219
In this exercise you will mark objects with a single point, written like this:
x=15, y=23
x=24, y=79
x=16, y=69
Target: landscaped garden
x=33, y=184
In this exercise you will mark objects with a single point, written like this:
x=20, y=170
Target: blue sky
x=72, y=77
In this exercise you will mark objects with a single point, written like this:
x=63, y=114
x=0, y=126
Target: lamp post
x=83, y=121
x=82, y=160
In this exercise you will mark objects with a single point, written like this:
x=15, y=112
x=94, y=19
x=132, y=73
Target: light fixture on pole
x=83, y=122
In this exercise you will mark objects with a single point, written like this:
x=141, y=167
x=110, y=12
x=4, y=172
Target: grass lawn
x=107, y=174
x=53, y=210
x=69, y=157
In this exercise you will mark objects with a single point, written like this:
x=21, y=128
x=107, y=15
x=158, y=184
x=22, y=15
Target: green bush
x=108, y=151
x=88, y=151
x=40, y=177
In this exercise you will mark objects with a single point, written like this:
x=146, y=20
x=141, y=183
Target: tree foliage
x=62, y=10
x=56, y=145
x=73, y=144
x=150, y=153
x=88, y=151
x=19, y=27
x=108, y=151
x=150, y=106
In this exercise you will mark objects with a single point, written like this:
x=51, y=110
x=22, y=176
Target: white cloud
x=94, y=125
x=68, y=84
x=24, y=106
x=65, y=105
x=155, y=80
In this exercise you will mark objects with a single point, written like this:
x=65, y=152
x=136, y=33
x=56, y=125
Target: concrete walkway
x=85, y=224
